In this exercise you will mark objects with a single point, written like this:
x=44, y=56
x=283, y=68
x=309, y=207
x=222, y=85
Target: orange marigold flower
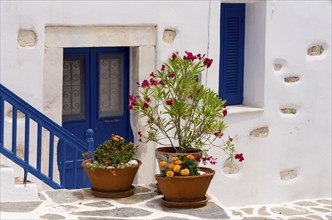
x=171, y=166
x=178, y=162
x=185, y=172
x=176, y=168
x=174, y=158
x=190, y=157
x=162, y=163
x=169, y=173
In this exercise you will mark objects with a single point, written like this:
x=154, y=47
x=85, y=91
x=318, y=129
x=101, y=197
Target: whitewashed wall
x=289, y=156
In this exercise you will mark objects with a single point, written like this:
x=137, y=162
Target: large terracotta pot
x=112, y=183
x=185, y=191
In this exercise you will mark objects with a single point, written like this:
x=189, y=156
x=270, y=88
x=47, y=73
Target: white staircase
x=12, y=189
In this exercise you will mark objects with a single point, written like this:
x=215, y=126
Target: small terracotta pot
x=185, y=188
x=111, y=180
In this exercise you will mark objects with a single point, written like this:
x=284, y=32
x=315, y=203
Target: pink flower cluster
x=190, y=56
x=152, y=81
x=140, y=136
x=133, y=102
x=205, y=159
x=239, y=157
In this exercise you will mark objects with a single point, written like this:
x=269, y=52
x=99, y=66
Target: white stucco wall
x=277, y=32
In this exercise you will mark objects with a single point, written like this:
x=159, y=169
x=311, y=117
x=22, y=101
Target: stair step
x=12, y=191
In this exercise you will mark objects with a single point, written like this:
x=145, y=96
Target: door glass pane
x=110, y=85
x=73, y=107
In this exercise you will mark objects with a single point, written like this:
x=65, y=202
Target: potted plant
x=181, y=113
x=112, y=168
x=183, y=183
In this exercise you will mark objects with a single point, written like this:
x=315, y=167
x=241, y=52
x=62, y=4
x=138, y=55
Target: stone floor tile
x=99, y=204
x=141, y=189
x=237, y=213
x=52, y=216
x=325, y=201
x=299, y=218
x=258, y=218
x=321, y=210
x=248, y=210
x=170, y=218
x=99, y=218
x=210, y=211
x=27, y=206
x=64, y=196
x=116, y=212
x=289, y=211
x=136, y=198
x=306, y=203
x=329, y=217
x=42, y=196
x=62, y=208
x=328, y=207
x=262, y=211
x=315, y=217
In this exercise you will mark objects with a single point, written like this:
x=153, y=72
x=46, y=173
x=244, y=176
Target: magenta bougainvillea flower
x=145, y=84
x=239, y=157
x=169, y=102
x=174, y=55
x=207, y=62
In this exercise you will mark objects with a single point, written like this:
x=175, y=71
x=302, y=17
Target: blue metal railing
x=66, y=139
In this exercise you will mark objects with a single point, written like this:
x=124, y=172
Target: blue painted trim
x=14, y=130
x=231, y=80
x=75, y=168
x=63, y=164
x=43, y=123
x=51, y=156
x=27, y=138
x=26, y=146
x=2, y=118
x=39, y=151
x=89, y=134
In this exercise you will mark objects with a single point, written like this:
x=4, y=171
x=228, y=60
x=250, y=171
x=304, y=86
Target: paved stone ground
x=145, y=204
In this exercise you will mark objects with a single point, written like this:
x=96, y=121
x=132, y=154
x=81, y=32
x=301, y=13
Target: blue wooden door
x=95, y=95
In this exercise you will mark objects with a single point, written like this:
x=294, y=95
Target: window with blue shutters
x=231, y=53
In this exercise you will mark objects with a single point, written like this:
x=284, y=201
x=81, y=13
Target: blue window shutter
x=231, y=53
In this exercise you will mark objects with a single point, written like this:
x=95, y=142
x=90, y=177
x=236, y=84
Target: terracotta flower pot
x=112, y=183
x=185, y=191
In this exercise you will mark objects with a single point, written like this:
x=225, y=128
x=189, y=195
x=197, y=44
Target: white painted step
x=14, y=192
